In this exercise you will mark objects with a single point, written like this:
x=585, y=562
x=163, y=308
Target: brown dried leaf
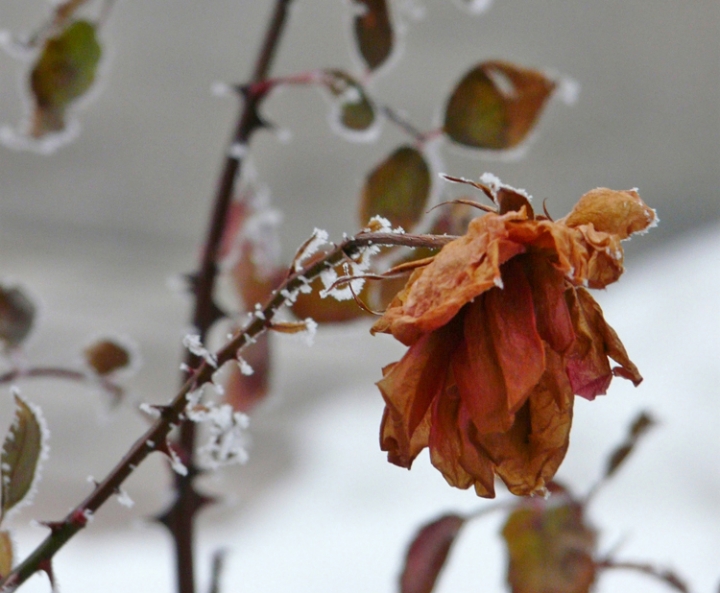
x=397, y=189
x=550, y=548
x=373, y=31
x=20, y=457
x=427, y=554
x=106, y=356
x=495, y=105
x=6, y=554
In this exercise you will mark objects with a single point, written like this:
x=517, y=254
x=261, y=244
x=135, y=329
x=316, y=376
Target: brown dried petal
x=619, y=213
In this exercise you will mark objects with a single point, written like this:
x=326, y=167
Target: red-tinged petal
x=528, y=455
x=393, y=438
x=518, y=346
x=451, y=449
x=410, y=385
x=445, y=442
x=474, y=459
x=588, y=367
x=478, y=375
x=611, y=342
x=619, y=213
x=427, y=554
x=548, y=285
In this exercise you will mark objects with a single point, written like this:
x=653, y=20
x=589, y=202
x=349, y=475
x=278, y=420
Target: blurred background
x=96, y=229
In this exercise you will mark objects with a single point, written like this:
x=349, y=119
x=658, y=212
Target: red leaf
x=427, y=554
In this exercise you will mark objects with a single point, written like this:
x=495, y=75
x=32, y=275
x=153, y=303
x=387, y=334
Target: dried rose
x=502, y=335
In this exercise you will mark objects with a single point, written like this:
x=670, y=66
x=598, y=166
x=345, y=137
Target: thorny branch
x=179, y=517
x=171, y=415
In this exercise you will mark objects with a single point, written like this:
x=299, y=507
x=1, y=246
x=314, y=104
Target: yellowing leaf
x=356, y=111
x=64, y=71
x=17, y=314
x=20, y=457
x=427, y=554
x=397, y=189
x=373, y=31
x=106, y=356
x=550, y=548
x=495, y=105
x=6, y=554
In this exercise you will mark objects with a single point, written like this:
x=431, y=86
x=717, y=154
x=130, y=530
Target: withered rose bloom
x=502, y=335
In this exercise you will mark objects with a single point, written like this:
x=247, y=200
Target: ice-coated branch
x=155, y=438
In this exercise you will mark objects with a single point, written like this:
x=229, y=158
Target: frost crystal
x=124, y=499
x=227, y=435
x=245, y=367
x=192, y=342
x=149, y=409
x=176, y=463
x=238, y=150
x=318, y=239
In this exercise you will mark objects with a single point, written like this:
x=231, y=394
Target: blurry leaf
x=495, y=105
x=550, y=548
x=20, y=456
x=638, y=428
x=243, y=391
x=397, y=189
x=6, y=554
x=328, y=310
x=64, y=71
x=356, y=110
x=17, y=313
x=106, y=356
x=373, y=31
x=427, y=554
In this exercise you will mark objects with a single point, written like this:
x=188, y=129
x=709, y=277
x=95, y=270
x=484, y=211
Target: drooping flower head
x=502, y=335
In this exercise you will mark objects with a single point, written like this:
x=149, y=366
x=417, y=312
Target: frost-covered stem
x=60, y=373
x=155, y=438
x=187, y=501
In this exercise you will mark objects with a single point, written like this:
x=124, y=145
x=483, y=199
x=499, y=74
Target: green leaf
x=356, y=111
x=64, y=71
x=373, y=31
x=495, y=105
x=21, y=454
x=17, y=314
x=6, y=554
x=397, y=189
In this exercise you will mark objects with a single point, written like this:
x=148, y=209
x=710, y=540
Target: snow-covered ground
x=318, y=507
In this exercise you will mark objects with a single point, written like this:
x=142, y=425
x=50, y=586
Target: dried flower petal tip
x=502, y=334
x=619, y=213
